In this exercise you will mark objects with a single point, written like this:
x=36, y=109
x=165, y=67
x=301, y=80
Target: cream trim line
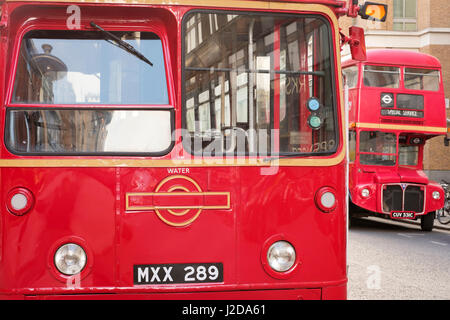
x=154, y=163
x=441, y=130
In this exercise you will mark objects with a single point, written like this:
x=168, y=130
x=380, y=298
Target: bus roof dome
x=399, y=57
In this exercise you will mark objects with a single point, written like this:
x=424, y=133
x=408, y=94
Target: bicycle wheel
x=443, y=216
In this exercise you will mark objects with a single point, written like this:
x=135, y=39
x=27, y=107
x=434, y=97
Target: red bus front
x=396, y=103
x=189, y=151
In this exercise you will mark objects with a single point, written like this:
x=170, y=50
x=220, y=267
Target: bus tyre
x=427, y=221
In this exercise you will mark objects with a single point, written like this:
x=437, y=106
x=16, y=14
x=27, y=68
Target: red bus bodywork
x=115, y=206
x=378, y=108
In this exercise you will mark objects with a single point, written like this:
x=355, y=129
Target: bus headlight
x=365, y=193
x=70, y=259
x=436, y=195
x=281, y=256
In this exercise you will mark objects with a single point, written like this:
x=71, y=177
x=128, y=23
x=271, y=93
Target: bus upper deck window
x=381, y=76
x=351, y=74
x=85, y=67
x=421, y=79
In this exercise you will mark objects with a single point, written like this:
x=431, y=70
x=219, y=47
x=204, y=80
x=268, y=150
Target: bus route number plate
x=177, y=273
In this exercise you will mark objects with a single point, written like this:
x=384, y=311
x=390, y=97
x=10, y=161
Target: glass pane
x=422, y=79
x=408, y=155
x=410, y=8
x=410, y=26
x=381, y=76
x=260, y=70
x=351, y=74
x=410, y=101
x=398, y=26
x=352, y=145
x=378, y=148
x=377, y=141
x=69, y=131
x=84, y=67
x=377, y=159
x=398, y=8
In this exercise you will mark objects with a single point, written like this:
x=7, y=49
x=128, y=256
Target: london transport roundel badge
x=177, y=200
x=387, y=100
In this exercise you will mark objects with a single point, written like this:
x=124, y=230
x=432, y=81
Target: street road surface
x=394, y=260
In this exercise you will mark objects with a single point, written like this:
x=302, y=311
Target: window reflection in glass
x=81, y=131
x=351, y=74
x=381, y=76
x=377, y=148
x=410, y=101
x=421, y=79
x=408, y=155
x=81, y=67
x=259, y=70
x=352, y=145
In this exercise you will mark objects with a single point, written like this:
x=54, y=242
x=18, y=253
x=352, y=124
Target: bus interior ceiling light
x=281, y=256
x=70, y=259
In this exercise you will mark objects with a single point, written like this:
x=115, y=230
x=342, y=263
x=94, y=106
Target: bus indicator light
x=326, y=199
x=19, y=201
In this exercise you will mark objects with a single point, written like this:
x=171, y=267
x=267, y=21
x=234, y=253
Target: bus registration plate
x=177, y=273
x=403, y=215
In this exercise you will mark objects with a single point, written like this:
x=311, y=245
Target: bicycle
x=443, y=214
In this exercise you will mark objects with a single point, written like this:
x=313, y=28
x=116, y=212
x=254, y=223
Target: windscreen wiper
x=122, y=44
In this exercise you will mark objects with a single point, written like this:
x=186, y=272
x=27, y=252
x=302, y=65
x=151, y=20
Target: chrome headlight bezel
x=436, y=195
x=281, y=256
x=70, y=259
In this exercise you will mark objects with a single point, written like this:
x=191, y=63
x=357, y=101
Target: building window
x=405, y=15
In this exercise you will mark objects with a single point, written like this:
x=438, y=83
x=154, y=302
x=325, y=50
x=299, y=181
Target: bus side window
x=351, y=74
x=352, y=146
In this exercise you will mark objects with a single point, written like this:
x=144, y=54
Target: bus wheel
x=427, y=221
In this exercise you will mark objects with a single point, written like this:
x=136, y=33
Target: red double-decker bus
x=396, y=103
x=172, y=149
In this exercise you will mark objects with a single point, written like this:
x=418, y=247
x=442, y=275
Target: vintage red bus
x=190, y=149
x=396, y=103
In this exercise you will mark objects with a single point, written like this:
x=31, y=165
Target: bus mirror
x=373, y=11
x=357, y=44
